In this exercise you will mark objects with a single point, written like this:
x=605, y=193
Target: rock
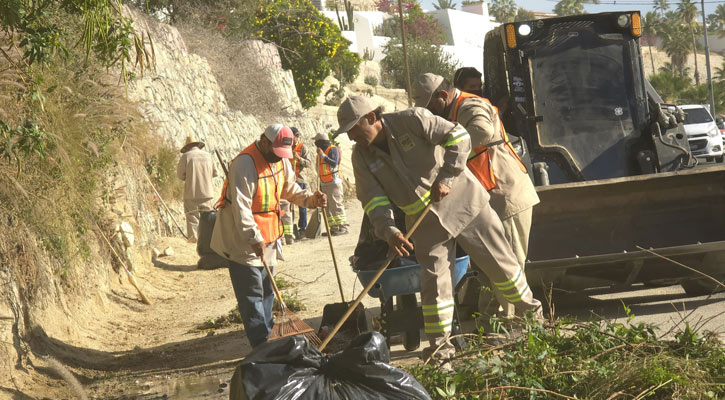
x=169, y=251
x=126, y=232
x=155, y=253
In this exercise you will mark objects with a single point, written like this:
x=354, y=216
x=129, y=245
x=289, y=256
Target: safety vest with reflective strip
x=480, y=162
x=327, y=174
x=296, y=164
x=265, y=203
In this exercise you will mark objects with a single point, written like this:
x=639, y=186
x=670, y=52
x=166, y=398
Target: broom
x=372, y=281
x=131, y=279
x=290, y=324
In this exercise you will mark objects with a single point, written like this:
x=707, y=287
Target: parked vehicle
x=721, y=125
x=610, y=160
x=703, y=133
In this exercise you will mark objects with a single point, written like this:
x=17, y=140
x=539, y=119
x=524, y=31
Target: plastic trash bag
x=291, y=368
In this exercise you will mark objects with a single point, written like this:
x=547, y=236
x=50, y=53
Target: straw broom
x=131, y=279
x=290, y=324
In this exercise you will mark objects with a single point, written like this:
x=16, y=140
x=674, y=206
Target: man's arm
x=455, y=141
x=305, y=160
x=374, y=200
x=480, y=120
x=181, y=168
x=333, y=158
x=241, y=189
x=292, y=191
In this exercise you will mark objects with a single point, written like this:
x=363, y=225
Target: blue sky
x=621, y=5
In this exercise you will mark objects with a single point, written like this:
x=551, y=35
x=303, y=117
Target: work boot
x=289, y=239
x=341, y=230
x=440, y=358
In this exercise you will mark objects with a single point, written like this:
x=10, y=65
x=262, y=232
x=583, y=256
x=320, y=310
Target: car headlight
x=714, y=132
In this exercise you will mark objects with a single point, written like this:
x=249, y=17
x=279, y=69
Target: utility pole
x=707, y=61
x=405, y=53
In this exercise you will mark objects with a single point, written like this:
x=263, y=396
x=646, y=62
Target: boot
x=289, y=239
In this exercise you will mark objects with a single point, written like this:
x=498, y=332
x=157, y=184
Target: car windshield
x=697, y=116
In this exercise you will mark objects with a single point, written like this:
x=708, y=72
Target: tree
x=503, y=10
x=670, y=84
x=675, y=41
x=424, y=39
x=310, y=45
x=688, y=12
x=661, y=6
x=525, y=15
x=649, y=33
x=716, y=21
x=572, y=7
x=444, y=4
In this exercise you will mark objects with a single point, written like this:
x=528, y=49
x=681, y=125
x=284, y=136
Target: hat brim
x=283, y=151
x=188, y=146
x=346, y=128
x=419, y=102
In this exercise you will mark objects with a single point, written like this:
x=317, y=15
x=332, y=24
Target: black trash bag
x=208, y=259
x=291, y=368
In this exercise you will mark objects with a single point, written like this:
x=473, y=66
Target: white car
x=702, y=133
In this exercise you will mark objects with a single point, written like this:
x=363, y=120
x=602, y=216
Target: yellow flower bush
x=310, y=45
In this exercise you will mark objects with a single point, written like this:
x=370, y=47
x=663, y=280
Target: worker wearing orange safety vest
x=248, y=224
x=329, y=158
x=493, y=161
x=300, y=161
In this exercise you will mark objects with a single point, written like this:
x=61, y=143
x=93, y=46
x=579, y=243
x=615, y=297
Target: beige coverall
x=196, y=169
x=514, y=195
x=424, y=148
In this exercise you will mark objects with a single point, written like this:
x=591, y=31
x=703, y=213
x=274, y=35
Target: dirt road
x=133, y=351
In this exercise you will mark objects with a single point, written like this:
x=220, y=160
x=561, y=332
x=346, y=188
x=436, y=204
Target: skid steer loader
x=610, y=160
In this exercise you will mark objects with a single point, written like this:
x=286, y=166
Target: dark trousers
x=253, y=289
x=302, y=224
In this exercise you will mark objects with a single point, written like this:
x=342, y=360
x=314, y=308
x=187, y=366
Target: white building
x=465, y=32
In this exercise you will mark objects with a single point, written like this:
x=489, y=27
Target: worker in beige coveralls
x=409, y=159
x=196, y=169
x=494, y=163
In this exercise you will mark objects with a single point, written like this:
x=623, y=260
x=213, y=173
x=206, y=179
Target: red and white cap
x=282, y=138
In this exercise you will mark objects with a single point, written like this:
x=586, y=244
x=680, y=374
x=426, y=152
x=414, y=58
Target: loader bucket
x=598, y=224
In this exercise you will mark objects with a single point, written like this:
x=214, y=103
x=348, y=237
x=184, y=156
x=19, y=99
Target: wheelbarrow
x=401, y=284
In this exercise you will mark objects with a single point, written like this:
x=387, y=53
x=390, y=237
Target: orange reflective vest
x=327, y=174
x=265, y=203
x=297, y=149
x=480, y=161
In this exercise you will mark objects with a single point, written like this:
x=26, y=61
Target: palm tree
x=443, y=4
x=716, y=21
x=688, y=12
x=572, y=7
x=661, y=6
x=503, y=10
x=525, y=15
x=649, y=33
x=675, y=41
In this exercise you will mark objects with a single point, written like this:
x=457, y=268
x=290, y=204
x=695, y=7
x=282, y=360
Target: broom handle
x=332, y=250
x=373, y=281
x=131, y=279
x=221, y=161
x=274, y=284
x=165, y=206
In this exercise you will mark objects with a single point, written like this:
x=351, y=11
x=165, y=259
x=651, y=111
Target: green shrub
x=371, y=80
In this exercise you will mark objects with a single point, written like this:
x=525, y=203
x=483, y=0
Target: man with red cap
x=248, y=225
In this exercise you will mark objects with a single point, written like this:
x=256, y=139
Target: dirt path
x=148, y=352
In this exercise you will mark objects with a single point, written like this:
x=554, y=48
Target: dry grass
x=243, y=82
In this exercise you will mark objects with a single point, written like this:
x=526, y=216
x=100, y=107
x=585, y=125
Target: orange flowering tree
x=310, y=45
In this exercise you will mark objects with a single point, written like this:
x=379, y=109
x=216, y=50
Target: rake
x=290, y=324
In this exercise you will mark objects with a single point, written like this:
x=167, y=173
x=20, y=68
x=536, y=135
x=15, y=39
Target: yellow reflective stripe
x=457, y=136
x=438, y=326
x=418, y=205
x=509, y=283
x=441, y=310
x=438, y=306
x=376, y=202
x=265, y=194
x=515, y=298
x=442, y=329
x=288, y=229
